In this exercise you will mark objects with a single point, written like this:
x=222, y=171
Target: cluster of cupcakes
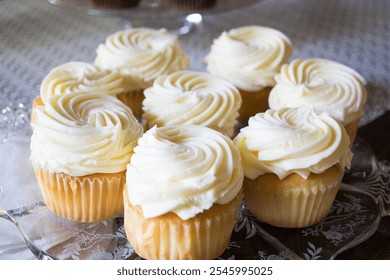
x=137, y=132
x=303, y=119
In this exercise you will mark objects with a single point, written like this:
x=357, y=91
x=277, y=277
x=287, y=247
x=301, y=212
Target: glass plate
x=363, y=199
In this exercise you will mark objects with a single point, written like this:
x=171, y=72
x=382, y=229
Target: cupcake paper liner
x=290, y=203
x=91, y=198
x=204, y=236
x=352, y=130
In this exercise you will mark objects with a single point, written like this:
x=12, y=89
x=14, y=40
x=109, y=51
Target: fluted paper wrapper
x=91, y=198
x=168, y=237
x=292, y=202
x=133, y=100
x=352, y=130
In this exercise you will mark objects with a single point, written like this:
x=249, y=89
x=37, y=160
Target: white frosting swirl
x=184, y=170
x=83, y=133
x=326, y=85
x=78, y=76
x=249, y=56
x=292, y=140
x=188, y=97
x=143, y=54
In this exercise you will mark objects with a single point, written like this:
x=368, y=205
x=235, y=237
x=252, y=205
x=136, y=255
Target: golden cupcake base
x=90, y=198
x=253, y=103
x=166, y=237
x=134, y=101
x=352, y=130
x=292, y=202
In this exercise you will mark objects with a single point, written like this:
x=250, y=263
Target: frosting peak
x=78, y=76
x=83, y=133
x=326, y=85
x=249, y=56
x=188, y=97
x=142, y=54
x=292, y=140
x=183, y=170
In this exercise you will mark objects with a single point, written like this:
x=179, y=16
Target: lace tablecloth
x=36, y=36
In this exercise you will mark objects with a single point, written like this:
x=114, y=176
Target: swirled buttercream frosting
x=292, y=140
x=142, y=53
x=326, y=85
x=83, y=133
x=188, y=97
x=78, y=76
x=183, y=169
x=249, y=56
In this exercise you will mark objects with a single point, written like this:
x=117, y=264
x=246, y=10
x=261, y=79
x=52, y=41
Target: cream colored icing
x=78, y=76
x=183, y=169
x=188, y=97
x=83, y=133
x=249, y=56
x=326, y=85
x=142, y=54
x=292, y=140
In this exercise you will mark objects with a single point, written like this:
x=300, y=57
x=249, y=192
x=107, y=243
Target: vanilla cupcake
x=250, y=57
x=182, y=193
x=80, y=148
x=326, y=85
x=142, y=55
x=196, y=98
x=293, y=161
x=76, y=76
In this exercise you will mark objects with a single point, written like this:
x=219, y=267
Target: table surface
x=37, y=36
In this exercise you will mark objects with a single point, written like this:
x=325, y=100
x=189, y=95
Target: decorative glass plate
x=362, y=201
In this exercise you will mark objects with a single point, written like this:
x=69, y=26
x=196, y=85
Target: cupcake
x=326, y=85
x=141, y=55
x=293, y=161
x=80, y=148
x=196, y=98
x=78, y=76
x=182, y=194
x=250, y=57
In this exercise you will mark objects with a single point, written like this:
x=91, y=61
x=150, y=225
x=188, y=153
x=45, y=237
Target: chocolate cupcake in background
x=192, y=5
x=115, y=4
